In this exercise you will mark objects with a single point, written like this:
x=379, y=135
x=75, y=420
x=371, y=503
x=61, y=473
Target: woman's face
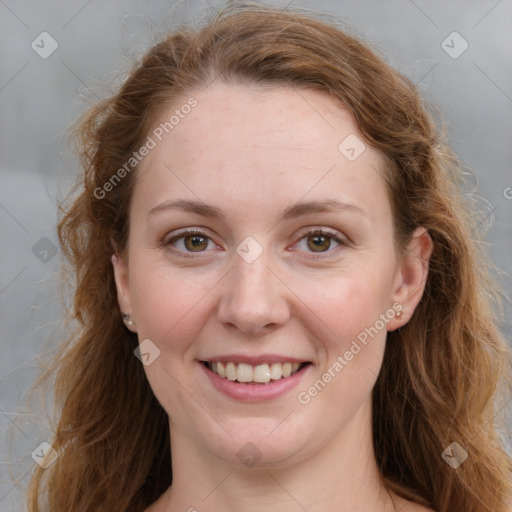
x=291, y=260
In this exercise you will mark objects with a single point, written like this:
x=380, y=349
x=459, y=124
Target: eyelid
x=319, y=229
x=338, y=237
x=167, y=242
x=182, y=233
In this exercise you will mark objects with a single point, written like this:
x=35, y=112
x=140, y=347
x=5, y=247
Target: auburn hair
x=441, y=372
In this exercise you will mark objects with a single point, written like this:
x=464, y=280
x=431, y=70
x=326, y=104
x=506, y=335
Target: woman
x=279, y=302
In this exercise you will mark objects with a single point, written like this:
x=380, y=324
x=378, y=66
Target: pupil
x=195, y=242
x=319, y=243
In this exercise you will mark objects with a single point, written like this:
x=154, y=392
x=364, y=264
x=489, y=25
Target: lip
x=255, y=392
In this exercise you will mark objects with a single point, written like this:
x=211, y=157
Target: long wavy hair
x=441, y=372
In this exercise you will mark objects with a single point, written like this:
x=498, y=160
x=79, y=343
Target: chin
x=261, y=443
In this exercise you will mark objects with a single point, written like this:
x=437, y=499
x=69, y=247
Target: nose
x=253, y=299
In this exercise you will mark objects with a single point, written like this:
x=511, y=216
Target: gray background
x=97, y=42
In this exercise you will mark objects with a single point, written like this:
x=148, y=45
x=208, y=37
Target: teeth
x=287, y=369
x=276, y=371
x=244, y=373
x=221, y=370
x=262, y=374
x=230, y=371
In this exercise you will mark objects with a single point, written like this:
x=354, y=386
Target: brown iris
x=196, y=243
x=319, y=243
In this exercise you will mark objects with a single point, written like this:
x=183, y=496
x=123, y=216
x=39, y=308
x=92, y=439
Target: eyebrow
x=296, y=210
x=188, y=206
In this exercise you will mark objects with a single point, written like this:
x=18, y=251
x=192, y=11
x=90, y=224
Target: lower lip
x=255, y=392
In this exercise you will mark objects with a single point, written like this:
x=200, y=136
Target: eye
x=317, y=240
x=321, y=241
x=191, y=240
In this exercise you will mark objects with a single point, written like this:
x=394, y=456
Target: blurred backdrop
x=56, y=57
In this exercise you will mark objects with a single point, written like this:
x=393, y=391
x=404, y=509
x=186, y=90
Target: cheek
x=172, y=308
x=350, y=304
x=354, y=309
x=170, y=305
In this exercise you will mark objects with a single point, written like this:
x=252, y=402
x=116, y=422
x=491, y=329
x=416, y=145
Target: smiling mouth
x=247, y=374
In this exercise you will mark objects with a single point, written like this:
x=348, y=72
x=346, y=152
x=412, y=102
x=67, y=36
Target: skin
x=252, y=153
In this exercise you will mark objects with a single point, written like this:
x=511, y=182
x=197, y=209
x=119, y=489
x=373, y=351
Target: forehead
x=257, y=147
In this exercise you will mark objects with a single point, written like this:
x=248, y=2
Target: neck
x=340, y=477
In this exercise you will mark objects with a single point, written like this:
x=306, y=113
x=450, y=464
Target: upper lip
x=254, y=360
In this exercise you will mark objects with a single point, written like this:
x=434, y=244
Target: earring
x=127, y=320
x=398, y=314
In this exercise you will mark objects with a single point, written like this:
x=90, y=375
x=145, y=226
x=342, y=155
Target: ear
x=123, y=288
x=411, y=277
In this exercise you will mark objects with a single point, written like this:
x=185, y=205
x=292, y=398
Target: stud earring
x=398, y=314
x=127, y=320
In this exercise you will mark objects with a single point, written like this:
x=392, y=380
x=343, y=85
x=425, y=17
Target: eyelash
x=342, y=241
